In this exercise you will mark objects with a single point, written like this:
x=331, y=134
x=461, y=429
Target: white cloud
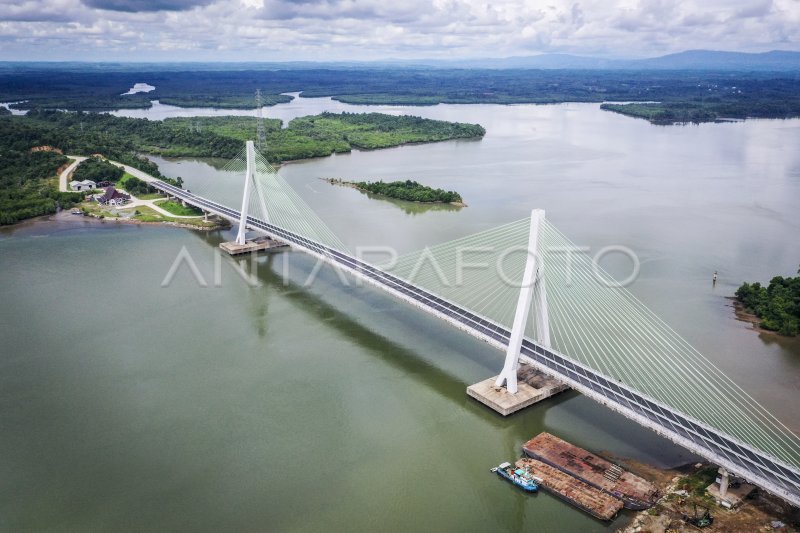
x=375, y=29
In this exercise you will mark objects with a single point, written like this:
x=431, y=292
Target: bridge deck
x=755, y=465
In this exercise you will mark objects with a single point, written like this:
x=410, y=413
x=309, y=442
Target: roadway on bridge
x=724, y=450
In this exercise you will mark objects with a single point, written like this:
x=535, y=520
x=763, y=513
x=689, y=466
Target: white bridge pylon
x=249, y=176
x=249, y=184
x=533, y=284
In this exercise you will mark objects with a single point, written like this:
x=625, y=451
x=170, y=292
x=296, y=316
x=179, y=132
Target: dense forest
x=76, y=133
x=27, y=181
x=708, y=110
x=777, y=306
x=82, y=87
x=136, y=186
x=327, y=133
x=409, y=190
x=28, y=184
x=119, y=138
x=97, y=170
x=305, y=137
x=666, y=114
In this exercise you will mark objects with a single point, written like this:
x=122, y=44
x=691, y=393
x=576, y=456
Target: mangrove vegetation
x=409, y=190
x=777, y=305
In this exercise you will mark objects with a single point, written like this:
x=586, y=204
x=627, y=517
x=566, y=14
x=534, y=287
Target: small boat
x=518, y=476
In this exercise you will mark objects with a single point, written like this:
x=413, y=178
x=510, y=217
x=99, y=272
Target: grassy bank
x=178, y=209
x=144, y=214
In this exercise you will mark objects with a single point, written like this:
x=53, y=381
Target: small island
x=719, y=108
x=666, y=114
x=408, y=190
x=772, y=308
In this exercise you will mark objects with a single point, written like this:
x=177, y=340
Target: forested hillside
x=27, y=178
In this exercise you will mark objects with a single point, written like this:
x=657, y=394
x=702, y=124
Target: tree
x=777, y=306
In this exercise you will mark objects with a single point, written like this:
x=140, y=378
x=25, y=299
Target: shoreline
x=356, y=149
x=742, y=315
x=678, y=486
x=65, y=215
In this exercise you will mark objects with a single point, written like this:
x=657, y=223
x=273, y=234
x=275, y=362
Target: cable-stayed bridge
x=525, y=289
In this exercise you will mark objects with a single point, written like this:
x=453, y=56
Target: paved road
x=63, y=178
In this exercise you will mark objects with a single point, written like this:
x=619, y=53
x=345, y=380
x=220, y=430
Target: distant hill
x=709, y=59
x=775, y=60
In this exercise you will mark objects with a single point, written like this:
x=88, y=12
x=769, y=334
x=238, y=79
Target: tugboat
x=518, y=476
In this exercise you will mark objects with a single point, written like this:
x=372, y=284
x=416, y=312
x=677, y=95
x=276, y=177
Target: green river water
x=125, y=405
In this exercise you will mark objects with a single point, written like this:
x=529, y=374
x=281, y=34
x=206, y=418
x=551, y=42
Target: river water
x=128, y=405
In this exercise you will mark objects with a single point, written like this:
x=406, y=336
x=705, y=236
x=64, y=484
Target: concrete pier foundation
x=532, y=386
x=728, y=491
x=262, y=244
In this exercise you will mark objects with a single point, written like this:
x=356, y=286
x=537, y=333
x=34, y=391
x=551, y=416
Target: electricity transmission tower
x=261, y=136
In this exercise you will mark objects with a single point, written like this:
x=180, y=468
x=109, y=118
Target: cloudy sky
x=252, y=30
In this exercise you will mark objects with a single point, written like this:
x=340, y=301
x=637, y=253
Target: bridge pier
x=726, y=493
x=724, y=479
x=533, y=386
x=524, y=385
x=242, y=245
x=259, y=244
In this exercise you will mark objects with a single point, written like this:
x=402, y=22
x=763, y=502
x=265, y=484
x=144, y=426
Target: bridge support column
x=724, y=479
x=248, y=178
x=532, y=280
x=257, y=244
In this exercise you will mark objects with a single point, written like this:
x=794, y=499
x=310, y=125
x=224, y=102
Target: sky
x=337, y=30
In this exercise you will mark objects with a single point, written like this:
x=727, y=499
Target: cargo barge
x=572, y=490
x=635, y=492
